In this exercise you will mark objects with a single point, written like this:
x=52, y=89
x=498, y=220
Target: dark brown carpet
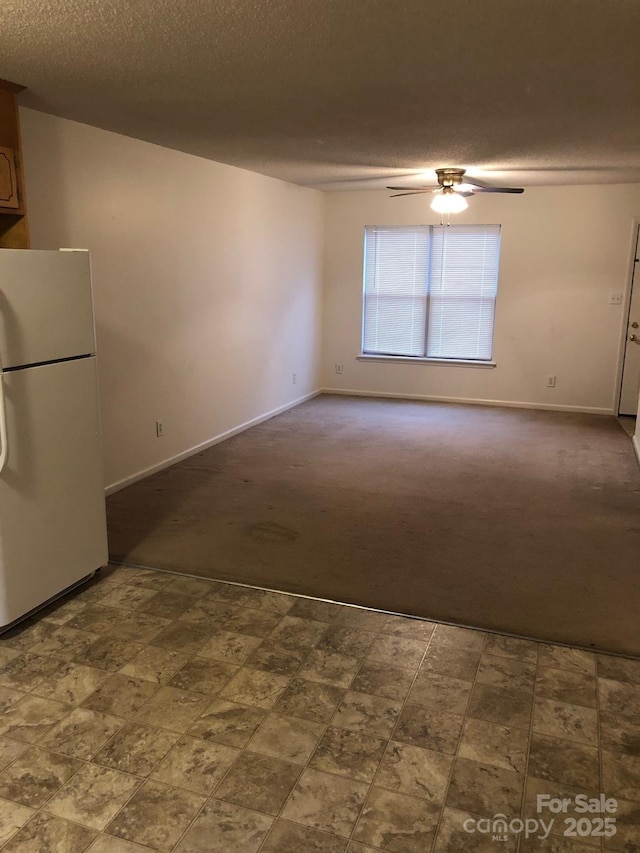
x=520, y=521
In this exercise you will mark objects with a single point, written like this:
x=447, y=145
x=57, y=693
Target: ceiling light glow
x=448, y=201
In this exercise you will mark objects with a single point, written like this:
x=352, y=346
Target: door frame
x=624, y=321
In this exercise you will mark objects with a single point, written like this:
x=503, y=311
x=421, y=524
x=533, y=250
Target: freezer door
x=52, y=511
x=46, y=311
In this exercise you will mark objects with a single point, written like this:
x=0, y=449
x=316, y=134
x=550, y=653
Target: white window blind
x=395, y=306
x=430, y=291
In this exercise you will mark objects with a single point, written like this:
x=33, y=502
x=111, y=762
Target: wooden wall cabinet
x=9, y=200
x=14, y=227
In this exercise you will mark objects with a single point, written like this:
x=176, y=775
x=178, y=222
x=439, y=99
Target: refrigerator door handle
x=4, y=449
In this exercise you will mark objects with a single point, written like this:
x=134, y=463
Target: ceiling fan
x=453, y=187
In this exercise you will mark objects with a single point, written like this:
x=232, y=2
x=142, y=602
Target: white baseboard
x=166, y=463
x=593, y=410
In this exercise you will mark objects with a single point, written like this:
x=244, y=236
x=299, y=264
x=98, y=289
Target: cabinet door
x=8, y=182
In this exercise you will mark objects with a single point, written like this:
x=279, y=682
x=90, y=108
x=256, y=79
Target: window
x=430, y=291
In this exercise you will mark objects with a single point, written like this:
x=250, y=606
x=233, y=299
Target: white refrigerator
x=52, y=508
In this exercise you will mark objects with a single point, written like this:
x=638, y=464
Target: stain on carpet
x=271, y=533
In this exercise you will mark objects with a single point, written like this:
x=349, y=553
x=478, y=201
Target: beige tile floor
x=150, y=711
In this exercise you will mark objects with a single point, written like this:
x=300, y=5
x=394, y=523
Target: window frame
x=364, y=355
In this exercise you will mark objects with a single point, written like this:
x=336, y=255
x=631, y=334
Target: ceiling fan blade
x=415, y=189
x=497, y=189
x=481, y=187
x=473, y=181
x=410, y=192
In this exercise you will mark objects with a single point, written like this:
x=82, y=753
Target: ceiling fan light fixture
x=449, y=201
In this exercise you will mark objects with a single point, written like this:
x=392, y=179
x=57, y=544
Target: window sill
x=452, y=362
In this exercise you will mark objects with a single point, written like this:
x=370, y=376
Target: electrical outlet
x=551, y=381
x=159, y=429
x=339, y=368
x=294, y=377
x=615, y=299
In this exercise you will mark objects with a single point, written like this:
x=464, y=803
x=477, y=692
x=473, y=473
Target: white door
x=630, y=390
x=52, y=514
x=46, y=311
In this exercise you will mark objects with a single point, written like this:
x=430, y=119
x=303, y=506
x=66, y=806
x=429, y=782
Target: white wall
x=565, y=250
x=207, y=283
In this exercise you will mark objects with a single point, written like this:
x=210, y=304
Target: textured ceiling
x=347, y=94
